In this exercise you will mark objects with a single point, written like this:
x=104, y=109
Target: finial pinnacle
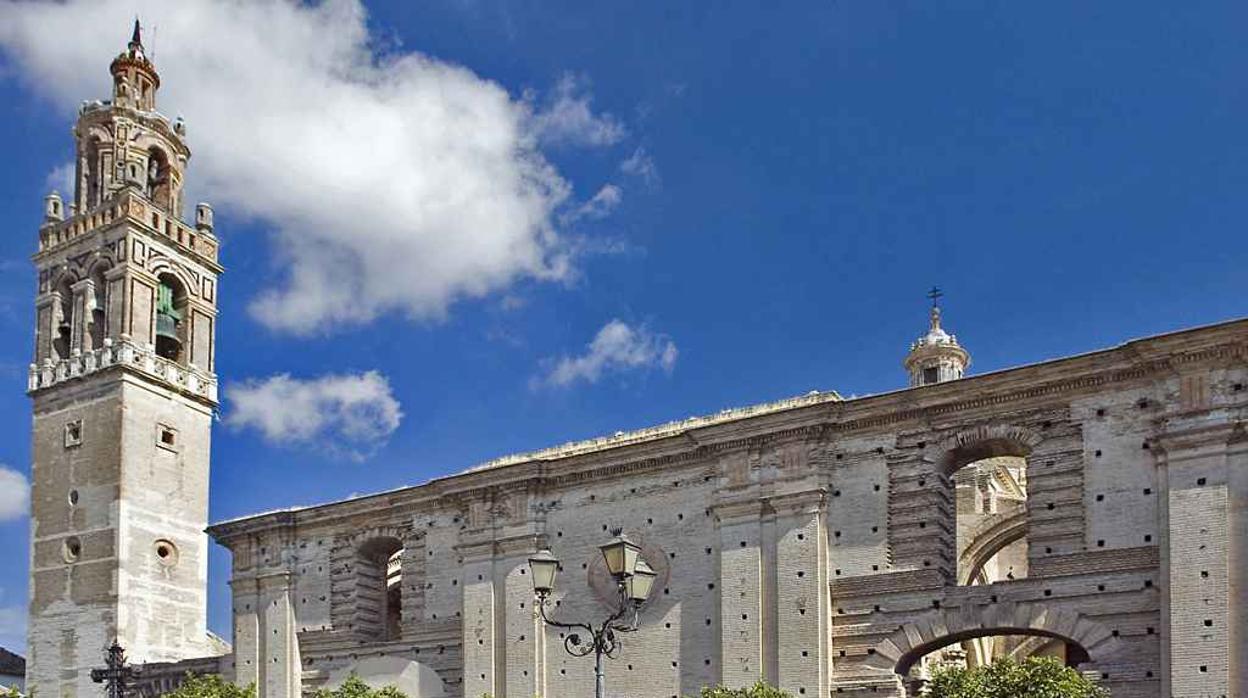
x=136, y=39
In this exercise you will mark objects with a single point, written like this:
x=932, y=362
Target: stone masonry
x=811, y=542
x=819, y=543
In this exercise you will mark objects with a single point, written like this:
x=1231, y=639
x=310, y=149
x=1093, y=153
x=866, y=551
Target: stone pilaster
x=1196, y=465
x=248, y=667
x=801, y=586
x=741, y=601
x=479, y=613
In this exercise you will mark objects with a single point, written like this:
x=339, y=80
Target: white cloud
x=617, y=347
x=600, y=206
x=641, y=165
x=351, y=414
x=14, y=494
x=61, y=180
x=568, y=117
x=393, y=182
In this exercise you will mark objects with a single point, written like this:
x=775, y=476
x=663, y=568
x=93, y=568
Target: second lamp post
x=633, y=579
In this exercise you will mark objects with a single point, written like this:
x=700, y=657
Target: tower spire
x=136, y=39
x=936, y=357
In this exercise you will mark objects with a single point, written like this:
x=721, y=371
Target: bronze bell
x=168, y=343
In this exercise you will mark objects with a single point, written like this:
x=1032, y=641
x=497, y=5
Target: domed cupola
x=936, y=357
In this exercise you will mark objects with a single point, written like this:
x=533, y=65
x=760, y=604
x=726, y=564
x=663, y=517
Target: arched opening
x=170, y=318
x=63, y=321
x=379, y=588
x=89, y=194
x=991, y=496
x=158, y=189
x=989, y=481
x=917, y=666
x=99, y=308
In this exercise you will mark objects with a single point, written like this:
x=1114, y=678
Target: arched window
x=378, y=591
x=170, y=318
x=158, y=182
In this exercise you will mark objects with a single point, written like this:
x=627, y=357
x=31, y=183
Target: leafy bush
x=354, y=687
x=758, y=690
x=1036, y=677
x=210, y=686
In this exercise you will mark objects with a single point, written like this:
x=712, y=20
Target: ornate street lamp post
x=633, y=579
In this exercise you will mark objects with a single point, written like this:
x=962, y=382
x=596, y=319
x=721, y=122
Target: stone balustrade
x=144, y=359
x=133, y=207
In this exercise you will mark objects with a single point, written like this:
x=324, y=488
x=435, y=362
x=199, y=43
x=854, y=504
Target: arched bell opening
x=63, y=321
x=99, y=308
x=91, y=182
x=159, y=180
x=171, y=318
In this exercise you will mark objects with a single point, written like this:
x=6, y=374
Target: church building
x=1092, y=508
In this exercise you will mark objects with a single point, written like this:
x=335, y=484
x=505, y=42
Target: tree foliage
x=354, y=687
x=758, y=690
x=210, y=686
x=1035, y=677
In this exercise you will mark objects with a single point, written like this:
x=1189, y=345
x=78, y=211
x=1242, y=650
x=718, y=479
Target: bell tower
x=124, y=390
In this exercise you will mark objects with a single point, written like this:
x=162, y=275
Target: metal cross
x=935, y=294
x=117, y=675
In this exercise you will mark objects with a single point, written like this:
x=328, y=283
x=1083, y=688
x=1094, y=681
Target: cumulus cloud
x=642, y=166
x=61, y=180
x=351, y=414
x=599, y=206
x=568, y=117
x=393, y=182
x=617, y=347
x=14, y=494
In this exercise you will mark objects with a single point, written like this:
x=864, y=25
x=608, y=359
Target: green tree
x=1035, y=677
x=354, y=687
x=210, y=686
x=758, y=690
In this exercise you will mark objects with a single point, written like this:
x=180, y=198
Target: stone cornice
x=935, y=406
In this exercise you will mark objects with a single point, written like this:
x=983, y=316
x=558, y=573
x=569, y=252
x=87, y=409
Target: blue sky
x=741, y=201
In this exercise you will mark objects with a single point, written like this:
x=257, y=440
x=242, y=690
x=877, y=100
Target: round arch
x=1087, y=640
x=988, y=540
x=986, y=441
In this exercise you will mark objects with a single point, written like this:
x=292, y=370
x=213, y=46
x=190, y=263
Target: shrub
x=1037, y=677
x=758, y=690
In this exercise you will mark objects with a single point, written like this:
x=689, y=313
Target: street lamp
x=633, y=580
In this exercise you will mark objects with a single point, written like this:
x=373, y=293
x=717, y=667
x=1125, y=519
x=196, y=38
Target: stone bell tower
x=124, y=391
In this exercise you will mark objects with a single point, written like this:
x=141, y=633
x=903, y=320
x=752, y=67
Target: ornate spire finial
x=136, y=39
x=935, y=294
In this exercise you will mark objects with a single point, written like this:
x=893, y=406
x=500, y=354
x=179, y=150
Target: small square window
x=166, y=437
x=73, y=433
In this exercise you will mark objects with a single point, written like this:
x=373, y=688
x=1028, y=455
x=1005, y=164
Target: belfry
x=124, y=389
